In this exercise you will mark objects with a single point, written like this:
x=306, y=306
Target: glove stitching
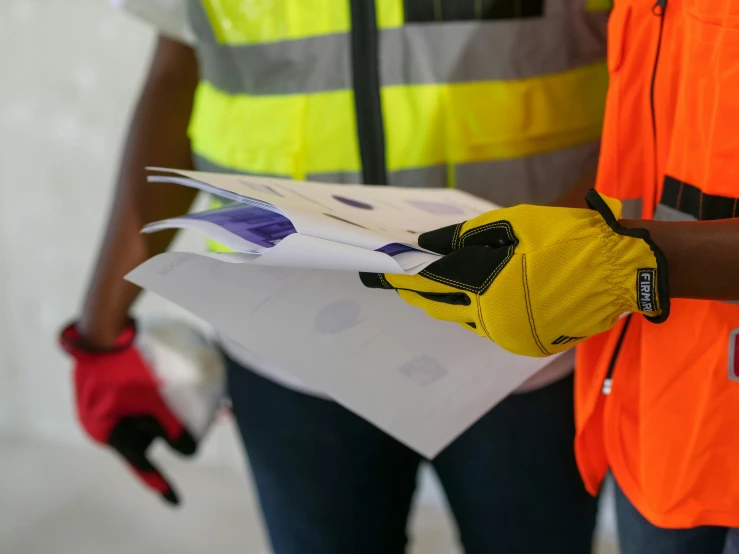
x=455, y=237
x=467, y=287
x=610, y=242
x=456, y=241
x=529, y=308
x=483, y=228
x=384, y=281
x=482, y=321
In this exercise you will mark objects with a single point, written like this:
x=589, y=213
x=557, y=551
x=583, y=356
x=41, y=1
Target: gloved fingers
x=484, y=230
x=442, y=241
x=436, y=299
x=150, y=475
x=417, y=283
x=447, y=288
x=184, y=443
x=437, y=305
x=475, y=328
x=472, y=269
x=131, y=437
x=169, y=426
x=175, y=435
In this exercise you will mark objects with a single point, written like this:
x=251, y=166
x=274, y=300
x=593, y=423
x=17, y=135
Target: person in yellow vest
x=501, y=98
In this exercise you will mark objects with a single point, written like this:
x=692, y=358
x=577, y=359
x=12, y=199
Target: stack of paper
x=344, y=227
x=290, y=297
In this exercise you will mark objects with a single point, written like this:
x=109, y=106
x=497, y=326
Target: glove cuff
x=651, y=282
x=71, y=341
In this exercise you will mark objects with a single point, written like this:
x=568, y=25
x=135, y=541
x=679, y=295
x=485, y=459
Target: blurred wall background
x=70, y=71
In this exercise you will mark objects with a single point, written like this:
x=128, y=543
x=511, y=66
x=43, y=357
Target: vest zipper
x=608, y=381
x=658, y=9
x=366, y=83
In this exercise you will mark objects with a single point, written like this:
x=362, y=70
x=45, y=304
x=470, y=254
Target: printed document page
x=420, y=380
x=385, y=219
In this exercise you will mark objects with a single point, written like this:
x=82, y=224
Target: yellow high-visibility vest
x=501, y=98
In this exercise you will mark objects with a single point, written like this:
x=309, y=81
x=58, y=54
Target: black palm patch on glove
x=471, y=262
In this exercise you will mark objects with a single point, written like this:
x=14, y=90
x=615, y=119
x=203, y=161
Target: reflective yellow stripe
x=288, y=135
x=415, y=130
x=466, y=122
x=295, y=135
x=239, y=22
x=598, y=5
x=389, y=13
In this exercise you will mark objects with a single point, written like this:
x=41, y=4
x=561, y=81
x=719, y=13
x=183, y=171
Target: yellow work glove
x=537, y=280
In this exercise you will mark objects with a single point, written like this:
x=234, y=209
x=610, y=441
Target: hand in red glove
x=119, y=405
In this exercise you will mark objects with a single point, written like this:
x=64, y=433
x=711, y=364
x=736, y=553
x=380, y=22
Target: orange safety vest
x=667, y=421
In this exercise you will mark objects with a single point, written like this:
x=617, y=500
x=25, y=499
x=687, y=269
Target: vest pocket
x=617, y=25
x=614, y=176
x=705, y=144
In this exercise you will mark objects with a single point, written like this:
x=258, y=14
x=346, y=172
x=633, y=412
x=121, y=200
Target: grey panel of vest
x=667, y=213
x=631, y=209
x=465, y=51
x=537, y=179
x=418, y=53
x=316, y=64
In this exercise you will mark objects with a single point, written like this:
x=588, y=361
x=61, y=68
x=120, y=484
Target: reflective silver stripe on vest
x=631, y=209
x=336, y=177
x=538, y=179
x=431, y=176
x=419, y=53
x=201, y=163
x=502, y=50
x=666, y=213
x=535, y=179
x=315, y=64
x=434, y=176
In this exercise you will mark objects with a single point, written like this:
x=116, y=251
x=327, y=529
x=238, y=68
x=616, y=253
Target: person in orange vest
x=657, y=397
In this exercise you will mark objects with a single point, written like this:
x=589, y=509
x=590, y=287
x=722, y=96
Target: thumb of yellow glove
x=537, y=280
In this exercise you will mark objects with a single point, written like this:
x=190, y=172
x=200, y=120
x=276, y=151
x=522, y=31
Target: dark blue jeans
x=636, y=535
x=331, y=483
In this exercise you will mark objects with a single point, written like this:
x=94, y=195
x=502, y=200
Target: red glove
x=119, y=405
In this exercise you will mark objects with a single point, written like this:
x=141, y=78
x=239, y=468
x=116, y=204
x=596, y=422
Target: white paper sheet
x=422, y=381
x=363, y=216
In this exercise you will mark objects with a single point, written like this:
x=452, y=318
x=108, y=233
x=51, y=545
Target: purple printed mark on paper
x=338, y=316
x=423, y=370
x=257, y=225
x=393, y=249
x=353, y=203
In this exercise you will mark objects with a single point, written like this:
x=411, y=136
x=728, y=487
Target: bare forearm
x=702, y=256
x=157, y=136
